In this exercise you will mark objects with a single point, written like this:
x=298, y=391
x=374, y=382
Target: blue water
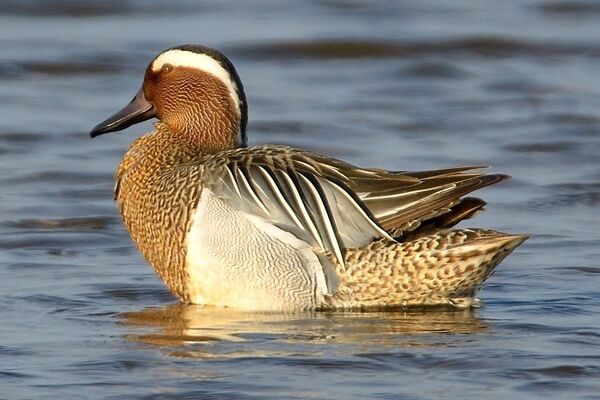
x=398, y=85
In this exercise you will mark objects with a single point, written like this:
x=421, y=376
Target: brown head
x=196, y=92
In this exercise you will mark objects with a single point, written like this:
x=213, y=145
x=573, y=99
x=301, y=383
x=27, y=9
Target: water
x=399, y=85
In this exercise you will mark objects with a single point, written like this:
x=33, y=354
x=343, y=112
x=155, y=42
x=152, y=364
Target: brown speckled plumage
x=156, y=199
x=446, y=268
x=200, y=208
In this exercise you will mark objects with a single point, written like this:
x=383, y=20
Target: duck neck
x=207, y=131
x=211, y=139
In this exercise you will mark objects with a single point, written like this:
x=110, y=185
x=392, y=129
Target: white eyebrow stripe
x=202, y=62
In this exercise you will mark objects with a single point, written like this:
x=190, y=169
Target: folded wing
x=332, y=204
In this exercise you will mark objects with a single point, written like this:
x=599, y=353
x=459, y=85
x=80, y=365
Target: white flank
x=242, y=261
x=202, y=62
x=312, y=264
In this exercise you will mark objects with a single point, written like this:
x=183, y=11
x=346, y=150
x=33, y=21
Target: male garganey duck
x=278, y=228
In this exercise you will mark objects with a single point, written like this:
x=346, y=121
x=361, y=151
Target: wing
x=402, y=209
x=402, y=201
x=298, y=194
x=332, y=204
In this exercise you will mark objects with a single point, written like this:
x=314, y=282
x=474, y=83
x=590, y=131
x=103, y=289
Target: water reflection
x=180, y=325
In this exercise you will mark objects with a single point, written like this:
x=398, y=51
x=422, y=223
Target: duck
x=277, y=228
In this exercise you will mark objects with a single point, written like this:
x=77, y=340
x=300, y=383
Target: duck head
x=196, y=92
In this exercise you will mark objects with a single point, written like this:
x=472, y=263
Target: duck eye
x=165, y=69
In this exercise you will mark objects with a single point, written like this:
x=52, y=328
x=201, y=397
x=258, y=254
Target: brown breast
x=156, y=195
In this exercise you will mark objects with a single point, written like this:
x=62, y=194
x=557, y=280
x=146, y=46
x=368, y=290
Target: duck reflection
x=197, y=331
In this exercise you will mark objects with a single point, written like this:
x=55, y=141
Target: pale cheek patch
x=202, y=62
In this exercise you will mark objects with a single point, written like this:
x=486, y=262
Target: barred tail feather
x=445, y=268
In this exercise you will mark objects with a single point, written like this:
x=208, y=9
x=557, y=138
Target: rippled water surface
x=399, y=85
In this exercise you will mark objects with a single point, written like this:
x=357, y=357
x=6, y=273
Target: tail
x=472, y=256
x=445, y=268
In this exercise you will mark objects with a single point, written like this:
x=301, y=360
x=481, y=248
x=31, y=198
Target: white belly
x=244, y=262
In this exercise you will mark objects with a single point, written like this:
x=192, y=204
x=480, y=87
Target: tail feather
x=445, y=268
